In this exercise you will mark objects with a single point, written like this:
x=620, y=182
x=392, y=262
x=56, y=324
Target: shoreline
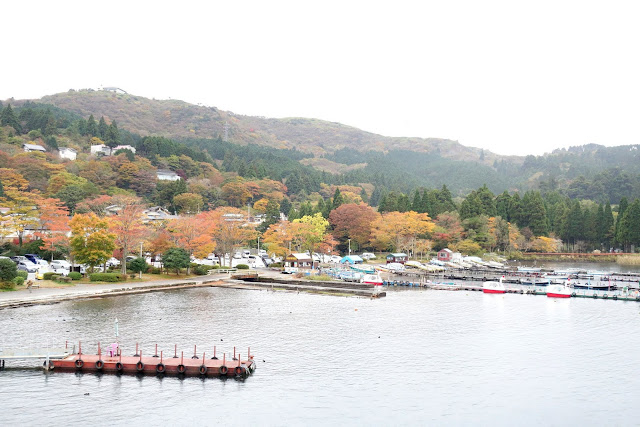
x=45, y=296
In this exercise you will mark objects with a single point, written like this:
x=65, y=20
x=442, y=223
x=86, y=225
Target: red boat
x=494, y=287
x=559, y=291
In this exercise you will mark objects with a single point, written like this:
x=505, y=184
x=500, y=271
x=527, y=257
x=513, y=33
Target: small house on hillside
x=167, y=175
x=299, y=260
x=67, y=153
x=28, y=148
x=399, y=257
x=100, y=150
x=156, y=213
x=351, y=259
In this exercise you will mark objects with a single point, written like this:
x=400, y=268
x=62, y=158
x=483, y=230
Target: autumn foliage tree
x=229, y=230
x=91, y=241
x=54, y=225
x=400, y=230
x=193, y=234
x=353, y=221
x=127, y=226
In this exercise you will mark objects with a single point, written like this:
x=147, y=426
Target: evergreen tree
x=403, y=205
x=608, y=227
x=113, y=135
x=622, y=207
x=102, y=129
x=445, y=200
x=363, y=196
x=572, y=228
x=416, y=205
x=502, y=205
x=375, y=196
x=92, y=127
x=534, y=213
x=515, y=209
x=1, y=189
x=487, y=201
x=633, y=219
x=285, y=206
x=337, y=199
x=8, y=118
x=471, y=206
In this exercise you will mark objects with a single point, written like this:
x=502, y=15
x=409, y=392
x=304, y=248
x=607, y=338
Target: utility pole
x=349, y=247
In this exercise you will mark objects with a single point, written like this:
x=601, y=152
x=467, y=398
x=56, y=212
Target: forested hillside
x=583, y=198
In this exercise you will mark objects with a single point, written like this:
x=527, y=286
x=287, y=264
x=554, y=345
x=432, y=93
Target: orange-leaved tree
x=230, y=230
x=399, y=230
x=127, y=226
x=193, y=234
x=54, y=225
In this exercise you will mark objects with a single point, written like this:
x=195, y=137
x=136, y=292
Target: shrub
x=64, y=279
x=8, y=270
x=107, y=277
x=49, y=275
x=214, y=267
x=201, y=270
x=18, y=280
x=138, y=265
x=8, y=285
x=22, y=274
x=155, y=270
x=276, y=264
x=74, y=275
x=242, y=267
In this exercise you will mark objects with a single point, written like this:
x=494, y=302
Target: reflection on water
x=415, y=357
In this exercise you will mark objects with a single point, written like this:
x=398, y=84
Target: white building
x=33, y=147
x=67, y=153
x=100, y=150
x=124, y=147
x=167, y=175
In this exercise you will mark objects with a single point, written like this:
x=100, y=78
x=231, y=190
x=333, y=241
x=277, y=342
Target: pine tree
x=337, y=199
x=8, y=118
x=92, y=127
x=102, y=129
x=113, y=135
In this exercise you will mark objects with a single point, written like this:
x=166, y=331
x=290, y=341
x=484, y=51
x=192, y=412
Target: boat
x=492, y=287
x=363, y=268
x=559, y=291
x=535, y=281
x=372, y=279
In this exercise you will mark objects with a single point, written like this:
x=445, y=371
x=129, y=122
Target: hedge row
x=107, y=277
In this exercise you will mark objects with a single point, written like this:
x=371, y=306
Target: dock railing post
x=181, y=357
x=175, y=352
x=234, y=353
x=136, y=355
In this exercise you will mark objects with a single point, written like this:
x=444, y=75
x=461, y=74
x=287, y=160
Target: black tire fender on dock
x=99, y=365
x=119, y=367
x=140, y=366
x=595, y=295
x=182, y=369
x=160, y=368
x=79, y=363
x=573, y=294
x=240, y=370
x=202, y=369
x=223, y=370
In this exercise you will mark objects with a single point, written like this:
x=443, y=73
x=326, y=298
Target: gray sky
x=512, y=77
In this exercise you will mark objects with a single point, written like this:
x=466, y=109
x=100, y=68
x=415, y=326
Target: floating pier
x=113, y=362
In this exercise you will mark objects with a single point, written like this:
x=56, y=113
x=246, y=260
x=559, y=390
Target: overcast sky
x=512, y=77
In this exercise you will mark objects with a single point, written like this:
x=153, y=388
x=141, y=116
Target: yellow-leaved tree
x=91, y=241
x=399, y=231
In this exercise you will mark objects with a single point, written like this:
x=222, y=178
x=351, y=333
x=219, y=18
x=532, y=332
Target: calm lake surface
x=416, y=357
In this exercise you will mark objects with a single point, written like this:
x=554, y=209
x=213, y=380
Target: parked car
x=42, y=264
x=26, y=265
x=60, y=266
x=368, y=255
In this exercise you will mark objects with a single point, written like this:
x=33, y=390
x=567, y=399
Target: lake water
x=416, y=357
